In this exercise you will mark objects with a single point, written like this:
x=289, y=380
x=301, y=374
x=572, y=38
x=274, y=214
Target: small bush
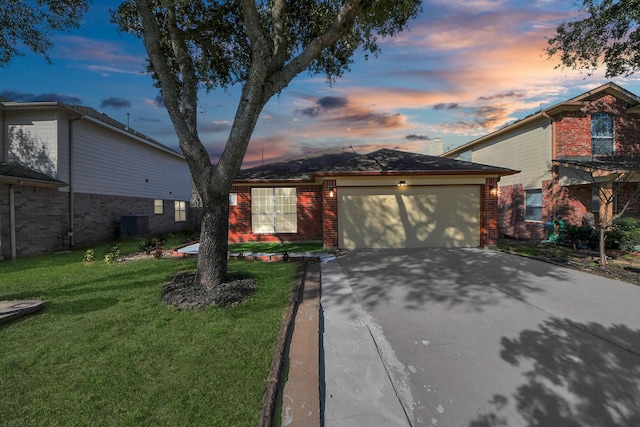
x=575, y=235
x=89, y=256
x=626, y=233
x=112, y=255
x=152, y=245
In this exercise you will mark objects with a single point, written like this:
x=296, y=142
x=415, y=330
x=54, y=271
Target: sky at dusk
x=465, y=68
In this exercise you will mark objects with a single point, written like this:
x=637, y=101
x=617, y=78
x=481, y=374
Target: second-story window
x=602, y=138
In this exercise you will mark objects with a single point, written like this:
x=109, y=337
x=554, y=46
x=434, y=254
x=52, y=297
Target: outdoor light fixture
x=494, y=191
x=331, y=192
x=402, y=183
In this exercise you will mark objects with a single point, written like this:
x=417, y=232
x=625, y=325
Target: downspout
x=2, y=156
x=555, y=173
x=70, y=231
x=12, y=220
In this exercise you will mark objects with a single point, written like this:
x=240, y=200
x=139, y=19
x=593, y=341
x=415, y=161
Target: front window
x=273, y=210
x=158, y=207
x=602, y=134
x=533, y=209
x=180, y=211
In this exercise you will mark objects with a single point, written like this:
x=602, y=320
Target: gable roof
x=573, y=104
x=381, y=162
x=17, y=174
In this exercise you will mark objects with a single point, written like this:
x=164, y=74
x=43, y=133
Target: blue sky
x=465, y=68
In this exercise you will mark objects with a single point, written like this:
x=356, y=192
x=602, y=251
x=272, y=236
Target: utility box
x=134, y=225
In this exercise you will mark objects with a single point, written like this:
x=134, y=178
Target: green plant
x=89, y=256
x=112, y=255
x=151, y=244
x=626, y=233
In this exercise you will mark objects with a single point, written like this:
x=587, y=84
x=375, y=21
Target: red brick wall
x=330, y=215
x=309, y=215
x=511, y=206
x=573, y=129
x=489, y=209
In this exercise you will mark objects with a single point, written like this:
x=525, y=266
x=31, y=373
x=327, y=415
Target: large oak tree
x=196, y=45
x=606, y=35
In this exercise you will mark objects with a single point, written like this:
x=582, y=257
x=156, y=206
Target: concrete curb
x=277, y=364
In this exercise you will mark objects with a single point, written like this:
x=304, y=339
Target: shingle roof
x=384, y=161
x=14, y=172
x=299, y=168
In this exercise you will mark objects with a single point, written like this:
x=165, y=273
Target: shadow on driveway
x=454, y=277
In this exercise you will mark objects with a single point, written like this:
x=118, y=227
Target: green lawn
x=106, y=351
x=271, y=247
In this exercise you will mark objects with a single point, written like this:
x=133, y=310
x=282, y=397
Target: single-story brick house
x=384, y=199
x=559, y=150
x=70, y=175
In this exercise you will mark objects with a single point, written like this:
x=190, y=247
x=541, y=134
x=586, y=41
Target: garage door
x=410, y=217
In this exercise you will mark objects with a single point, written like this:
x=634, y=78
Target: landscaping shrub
x=626, y=233
x=89, y=256
x=580, y=236
x=112, y=255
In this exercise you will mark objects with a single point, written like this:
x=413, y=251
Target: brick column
x=330, y=214
x=489, y=213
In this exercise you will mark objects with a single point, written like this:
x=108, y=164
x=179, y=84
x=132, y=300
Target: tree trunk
x=214, y=244
x=603, y=249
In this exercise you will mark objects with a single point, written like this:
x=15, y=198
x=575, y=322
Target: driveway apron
x=475, y=337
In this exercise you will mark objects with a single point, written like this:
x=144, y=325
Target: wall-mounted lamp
x=402, y=183
x=332, y=192
x=493, y=191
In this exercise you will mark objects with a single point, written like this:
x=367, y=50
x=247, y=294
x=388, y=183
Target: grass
x=271, y=247
x=106, y=351
x=533, y=249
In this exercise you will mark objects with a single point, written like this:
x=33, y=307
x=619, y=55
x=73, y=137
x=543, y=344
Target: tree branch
x=342, y=24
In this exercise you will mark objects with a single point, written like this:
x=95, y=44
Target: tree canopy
x=261, y=45
x=29, y=24
x=607, y=34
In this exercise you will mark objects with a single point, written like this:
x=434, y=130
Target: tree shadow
x=31, y=151
x=471, y=278
x=581, y=375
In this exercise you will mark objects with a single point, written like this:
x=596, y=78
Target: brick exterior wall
x=330, y=212
x=42, y=219
x=511, y=207
x=572, y=138
x=573, y=129
x=309, y=217
x=489, y=213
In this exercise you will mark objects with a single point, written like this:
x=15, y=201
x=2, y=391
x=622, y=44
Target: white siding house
x=70, y=175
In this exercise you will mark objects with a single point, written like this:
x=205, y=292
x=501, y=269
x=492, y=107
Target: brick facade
x=489, y=213
x=309, y=217
x=42, y=219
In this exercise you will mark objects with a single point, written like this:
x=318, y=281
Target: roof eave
x=12, y=180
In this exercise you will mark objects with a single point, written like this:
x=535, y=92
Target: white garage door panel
x=412, y=217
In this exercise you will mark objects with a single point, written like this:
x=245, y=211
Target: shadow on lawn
x=581, y=375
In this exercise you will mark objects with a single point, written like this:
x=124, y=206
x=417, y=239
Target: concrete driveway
x=475, y=337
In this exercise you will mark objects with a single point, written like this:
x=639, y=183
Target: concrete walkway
x=357, y=389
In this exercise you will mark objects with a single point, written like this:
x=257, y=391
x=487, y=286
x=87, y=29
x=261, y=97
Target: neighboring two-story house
x=559, y=151
x=70, y=175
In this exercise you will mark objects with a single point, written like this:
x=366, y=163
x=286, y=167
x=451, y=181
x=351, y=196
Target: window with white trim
x=273, y=210
x=158, y=207
x=533, y=207
x=180, y=211
x=602, y=134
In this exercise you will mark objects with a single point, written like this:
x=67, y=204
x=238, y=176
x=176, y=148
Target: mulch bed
x=184, y=293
